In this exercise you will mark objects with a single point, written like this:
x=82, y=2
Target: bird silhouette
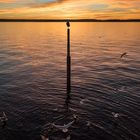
x=68, y=24
x=123, y=55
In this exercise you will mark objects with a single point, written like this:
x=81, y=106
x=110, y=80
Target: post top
x=68, y=24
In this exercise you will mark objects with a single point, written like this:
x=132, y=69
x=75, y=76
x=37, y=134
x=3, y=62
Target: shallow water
x=33, y=80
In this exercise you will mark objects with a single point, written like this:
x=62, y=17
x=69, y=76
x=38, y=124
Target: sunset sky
x=70, y=9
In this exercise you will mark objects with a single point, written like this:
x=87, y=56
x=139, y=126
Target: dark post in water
x=68, y=61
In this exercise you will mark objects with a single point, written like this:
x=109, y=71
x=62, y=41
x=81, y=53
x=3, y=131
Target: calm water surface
x=33, y=80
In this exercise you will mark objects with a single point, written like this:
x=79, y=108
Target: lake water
x=33, y=80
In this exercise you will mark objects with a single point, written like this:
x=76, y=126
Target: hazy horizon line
x=71, y=20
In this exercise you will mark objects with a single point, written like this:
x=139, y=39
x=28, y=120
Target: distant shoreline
x=64, y=20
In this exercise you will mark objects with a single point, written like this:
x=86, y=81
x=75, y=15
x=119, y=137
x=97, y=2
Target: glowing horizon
x=70, y=9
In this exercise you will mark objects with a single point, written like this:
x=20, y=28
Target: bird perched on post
x=68, y=24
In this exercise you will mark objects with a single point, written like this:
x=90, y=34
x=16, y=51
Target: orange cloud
x=7, y=1
x=100, y=9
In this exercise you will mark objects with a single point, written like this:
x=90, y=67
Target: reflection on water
x=33, y=79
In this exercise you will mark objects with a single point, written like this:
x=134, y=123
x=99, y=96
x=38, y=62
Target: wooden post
x=68, y=61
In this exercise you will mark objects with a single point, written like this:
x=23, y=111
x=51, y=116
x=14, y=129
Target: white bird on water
x=88, y=124
x=44, y=137
x=68, y=138
x=115, y=115
x=3, y=118
x=83, y=100
x=64, y=128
